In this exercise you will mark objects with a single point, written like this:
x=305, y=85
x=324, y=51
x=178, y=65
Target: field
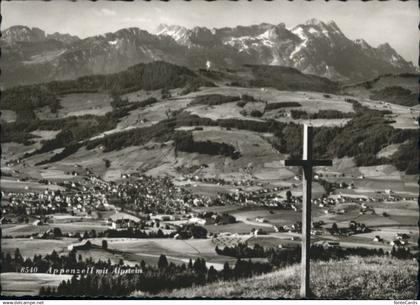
x=141, y=95
x=178, y=251
x=78, y=104
x=274, y=240
x=8, y=116
x=388, y=151
x=75, y=225
x=273, y=216
x=149, y=115
x=28, y=284
x=8, y=184
x=353, y=278
x=30, y=247
x=310, y=102
x=122, y=215
x=402, y=115
x=258, y=157
x=13, y=150
x=54, y=174
x=402, y=218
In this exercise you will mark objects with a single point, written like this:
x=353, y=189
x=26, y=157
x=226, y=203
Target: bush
x=107, y=163
x=165, y=93
x=184, y=142
x=256, y=113
x=118, y=102
x=214, y=99
x=243, y=112
x=241, y=104
x=273, y=106
x=321, y=114
x=247, y=98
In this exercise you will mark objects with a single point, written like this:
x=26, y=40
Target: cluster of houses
x=76, y=200
x=353, y=228
x=263, y=197
x=49, y=202
x=400, y=240
x=220, y=181
x=156, y=195
x=165, y=203
x=293, y=228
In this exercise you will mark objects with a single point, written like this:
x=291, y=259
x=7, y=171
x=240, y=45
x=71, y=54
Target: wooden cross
x=306, y=163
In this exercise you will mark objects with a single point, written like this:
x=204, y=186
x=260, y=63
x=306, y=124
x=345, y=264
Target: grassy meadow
x=354, y=278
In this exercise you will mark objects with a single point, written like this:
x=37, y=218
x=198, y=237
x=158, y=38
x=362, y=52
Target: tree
x=107, y=163
x=211, y=274
x=54, y=256
x=18, y=259
x=334, y=227
x=143, y=265
x=226, y=271
x=7, y=263
x=92, y=233
x=104, y=244
x=163, y=262
x=289, y=196
x=200, y=266
x=57, y=232
x=117, y=101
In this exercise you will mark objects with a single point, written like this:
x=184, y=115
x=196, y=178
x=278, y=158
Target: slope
x=354, y=278
x=401, y=89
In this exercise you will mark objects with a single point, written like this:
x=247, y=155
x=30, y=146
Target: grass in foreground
x=354, y=278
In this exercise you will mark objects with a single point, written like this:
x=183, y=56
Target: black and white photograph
x=220, y=150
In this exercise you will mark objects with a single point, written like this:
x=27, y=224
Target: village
x=154, y=207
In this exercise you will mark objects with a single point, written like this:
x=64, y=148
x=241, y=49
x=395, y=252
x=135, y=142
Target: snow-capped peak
x=178, y=33
x=315, y=22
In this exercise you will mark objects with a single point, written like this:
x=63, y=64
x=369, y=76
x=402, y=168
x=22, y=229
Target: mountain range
x=29, y=55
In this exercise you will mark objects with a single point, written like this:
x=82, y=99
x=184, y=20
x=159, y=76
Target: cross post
x=307, y=163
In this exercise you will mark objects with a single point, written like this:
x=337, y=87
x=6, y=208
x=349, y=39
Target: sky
x=395, y=22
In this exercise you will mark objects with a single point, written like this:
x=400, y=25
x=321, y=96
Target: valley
x=118, y=171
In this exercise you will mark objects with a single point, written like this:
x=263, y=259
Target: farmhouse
x=258, y=232
x=317, y=224
x=377, y=238
x=279, y=229
x=124, y=224
x=401, y=236
x=395, y=243
x=316, y=232
x=83, y=245
x=333, y=244
x=197, y=221
x=260, y=219
x=163, y=217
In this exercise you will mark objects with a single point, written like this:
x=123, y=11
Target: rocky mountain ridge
x=31, y=56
